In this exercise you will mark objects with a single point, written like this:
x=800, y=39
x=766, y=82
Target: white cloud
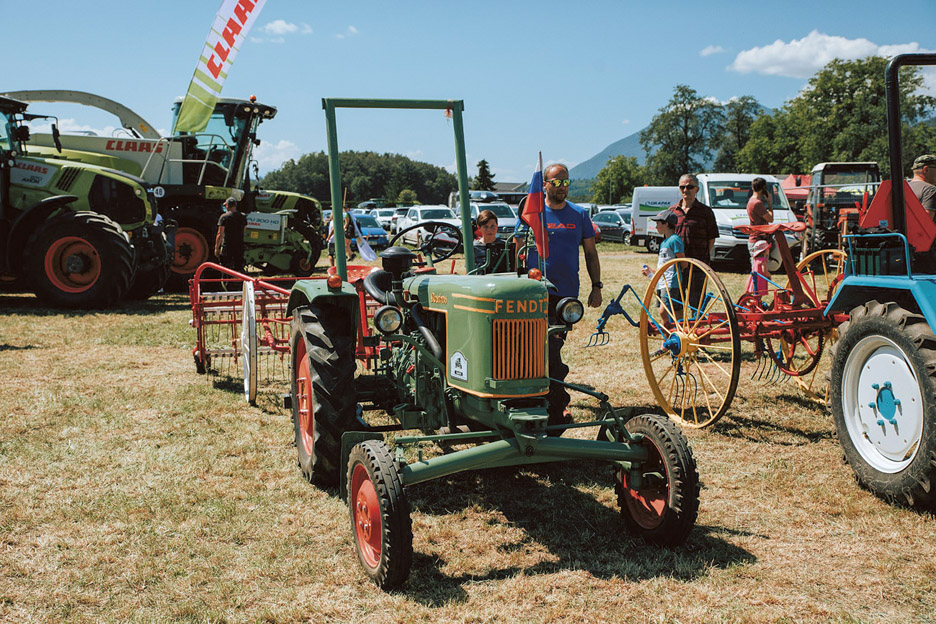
x=305, y=29
x=801, y=58
x=270, y=156
x=625, y=121
x=277, y=40
x=279, y=27
x=712, y=49
x=352, y=31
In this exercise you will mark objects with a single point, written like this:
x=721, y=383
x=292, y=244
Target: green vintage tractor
x=456, y=360
x=79, y=235
x=192, y=174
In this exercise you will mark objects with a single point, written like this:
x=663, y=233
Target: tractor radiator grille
x=67, y=178
x=519, y=348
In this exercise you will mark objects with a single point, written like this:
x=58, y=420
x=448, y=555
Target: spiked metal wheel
x=692, y=359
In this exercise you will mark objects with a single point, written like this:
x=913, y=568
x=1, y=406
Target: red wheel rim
x=191, y=249
x=647, y=506
x=306, y=407
x=366, y=516
x=72, y=264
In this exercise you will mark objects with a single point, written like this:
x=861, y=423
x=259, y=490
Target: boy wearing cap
x=672, y=247
x=923, y=183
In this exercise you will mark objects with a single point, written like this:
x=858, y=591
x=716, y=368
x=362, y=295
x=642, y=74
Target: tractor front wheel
x=659, y=498
x=882, y=395
x=324, y=404
x=380, y=514
x=79, y=260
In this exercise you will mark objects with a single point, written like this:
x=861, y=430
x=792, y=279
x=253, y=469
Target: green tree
x=681, y=136
x=485, y=179
x=364, y=175
x=616, y=181
x=738, y=115
x=407, y=197
x=841, y=115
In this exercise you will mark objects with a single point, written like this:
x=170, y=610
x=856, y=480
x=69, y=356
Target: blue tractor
x=883, y=378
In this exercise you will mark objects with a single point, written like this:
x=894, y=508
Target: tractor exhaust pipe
x=892, y=96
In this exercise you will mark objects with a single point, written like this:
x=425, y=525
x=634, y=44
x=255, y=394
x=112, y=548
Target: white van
x=647, y=202
x=728, y=194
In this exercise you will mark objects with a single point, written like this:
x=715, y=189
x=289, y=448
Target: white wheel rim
x=249, y=342
x=886, y=446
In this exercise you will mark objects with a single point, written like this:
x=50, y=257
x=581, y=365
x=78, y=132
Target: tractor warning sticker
x=458, y=366
x=31, y=173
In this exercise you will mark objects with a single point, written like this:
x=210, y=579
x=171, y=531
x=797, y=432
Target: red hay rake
x=242, y=323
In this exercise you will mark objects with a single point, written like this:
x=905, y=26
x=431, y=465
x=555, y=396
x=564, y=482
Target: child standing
x=672, y=247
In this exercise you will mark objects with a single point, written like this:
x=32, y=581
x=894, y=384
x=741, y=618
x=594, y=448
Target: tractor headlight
x=570, y=310
x=388, y=319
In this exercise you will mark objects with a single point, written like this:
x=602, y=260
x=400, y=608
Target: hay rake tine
x=600, y=337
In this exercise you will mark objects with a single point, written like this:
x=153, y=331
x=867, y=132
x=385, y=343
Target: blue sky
x=564, y=78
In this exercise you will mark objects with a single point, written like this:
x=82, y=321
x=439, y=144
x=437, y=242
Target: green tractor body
x=456, y=360
x=79, y=234
x=192, y=174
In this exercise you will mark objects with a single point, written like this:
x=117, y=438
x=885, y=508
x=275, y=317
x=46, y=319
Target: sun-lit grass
x=134, y=489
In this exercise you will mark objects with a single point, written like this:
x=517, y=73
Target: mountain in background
x=628, y=146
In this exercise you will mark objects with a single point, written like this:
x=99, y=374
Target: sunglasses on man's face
x=559, y=182
x=686, y=187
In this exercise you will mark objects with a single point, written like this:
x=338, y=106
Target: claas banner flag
x=230, y=28
x=533, y=211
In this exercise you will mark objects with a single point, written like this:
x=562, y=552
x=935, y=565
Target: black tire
x=323, y=366
x=884, y=353
x=302, y=264
x=664, y=509
x=376, y=496
x=626, y=238
x=148, y=282
x=194, y=245
x=79, y=260
x=653, y=244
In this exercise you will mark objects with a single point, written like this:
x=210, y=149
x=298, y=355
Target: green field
x=133, y=489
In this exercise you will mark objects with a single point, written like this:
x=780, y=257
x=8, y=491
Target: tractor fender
x=917, y=294
x=27, y=223
x=316, y=291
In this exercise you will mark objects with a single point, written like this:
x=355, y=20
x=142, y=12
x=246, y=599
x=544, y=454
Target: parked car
x=614, y=226
x=384, y=217
x=397, y=213
x=372, y=231
x=419, y=214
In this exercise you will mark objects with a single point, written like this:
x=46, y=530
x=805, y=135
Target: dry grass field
x=133, y=489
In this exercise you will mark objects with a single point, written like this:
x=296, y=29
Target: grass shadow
x=737, y=426
x=30, y=306
x=580, y=532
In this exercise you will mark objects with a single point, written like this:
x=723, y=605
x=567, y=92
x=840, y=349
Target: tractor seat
x=773, y=228
x=378, y=285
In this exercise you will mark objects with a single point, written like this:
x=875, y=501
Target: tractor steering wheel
x=441, y=242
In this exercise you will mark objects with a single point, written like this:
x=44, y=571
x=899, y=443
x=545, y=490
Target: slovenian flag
x=533, y=211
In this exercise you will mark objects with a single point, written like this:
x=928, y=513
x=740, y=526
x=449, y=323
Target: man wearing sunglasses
x=569, y=227
x=697, y=226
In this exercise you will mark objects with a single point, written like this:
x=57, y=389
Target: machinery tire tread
x=397, y=540
x=117, y=260
x=332, y=366
x=683, y=483
x=912, y=486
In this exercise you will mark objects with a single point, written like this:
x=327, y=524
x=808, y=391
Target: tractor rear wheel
x=882, y=393
x=380, y=514
x=193, y=246
x=324, y=404
x=659, y=498
x=79, y=260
